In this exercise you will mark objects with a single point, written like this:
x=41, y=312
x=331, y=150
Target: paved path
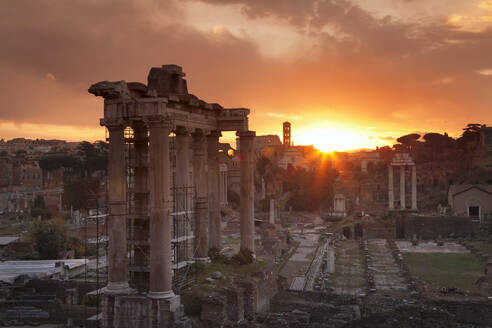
x=349, y=269
x=387, y=274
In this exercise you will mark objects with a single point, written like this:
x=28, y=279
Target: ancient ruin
x=149, y=203
x=402, y=160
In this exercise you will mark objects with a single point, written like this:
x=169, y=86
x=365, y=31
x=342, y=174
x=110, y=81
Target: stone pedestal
x=246, y=140
x=141, y=312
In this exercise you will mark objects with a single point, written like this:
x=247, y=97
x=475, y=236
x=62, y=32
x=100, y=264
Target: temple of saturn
x=163, y=170
x=402, y=160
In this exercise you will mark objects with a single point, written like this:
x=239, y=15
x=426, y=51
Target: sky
x=346, y=73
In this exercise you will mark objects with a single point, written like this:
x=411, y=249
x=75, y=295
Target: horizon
x=372, y=70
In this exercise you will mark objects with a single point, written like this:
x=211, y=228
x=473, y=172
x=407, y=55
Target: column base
x=161, y=295
x=202, y=259
x=118, y=288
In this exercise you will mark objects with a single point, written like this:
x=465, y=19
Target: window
x=474, y=211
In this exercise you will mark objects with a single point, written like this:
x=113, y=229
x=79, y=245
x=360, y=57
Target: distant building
x=287, y=134
x=474, y=201
x=486, y=147
x=262, y=142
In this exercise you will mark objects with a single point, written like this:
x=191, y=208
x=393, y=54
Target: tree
x=48, y=238
x=39, y=209
x=79, y=193
x=408, y=141
x=93, y=158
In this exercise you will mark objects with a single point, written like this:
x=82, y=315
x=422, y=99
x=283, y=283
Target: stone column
x=140, y=209
x=246, y=140
x=402, y=187
x=272, y=211
x=391, y=193
x=213, y=188
x=182, y=169
x=414, y=187
x=160, y=221
x=117, y=257
x=201, y=199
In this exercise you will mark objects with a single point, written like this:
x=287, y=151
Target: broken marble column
x=201, y=200
x=213, y=188
x=402, y=187
x=117, y=250
x=414, y=187
x=272, y=211
x=160, y=220
x=391, y=194
x=246, y=139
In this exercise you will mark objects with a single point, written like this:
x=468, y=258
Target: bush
x=216, y=256
x=48, y=238
x=42, y=213
x=244, y=256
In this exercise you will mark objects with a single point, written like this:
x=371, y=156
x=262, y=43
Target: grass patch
x=191, y=297
x=446, y=270
x=229, y=240
x=483, y=247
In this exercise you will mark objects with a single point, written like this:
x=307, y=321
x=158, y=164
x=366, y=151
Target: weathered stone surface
x=166, y=80
x=110, y=90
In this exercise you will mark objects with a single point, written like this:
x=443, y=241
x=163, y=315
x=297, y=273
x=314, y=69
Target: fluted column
x=201, y=199
x=246, y=140
x=117, y=253
x=391, y=193
x=182, y=168
x=140, y=226
x=414, y=187
x=402, y=187
x=213, y=188
x=160, y=221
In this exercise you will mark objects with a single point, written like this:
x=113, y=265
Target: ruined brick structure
x=141, y=218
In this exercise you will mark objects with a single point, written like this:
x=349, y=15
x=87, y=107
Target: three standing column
x=117, y=253
x=160, y=221
x=246, y=139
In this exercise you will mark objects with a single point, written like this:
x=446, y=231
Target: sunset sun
x=334, y=139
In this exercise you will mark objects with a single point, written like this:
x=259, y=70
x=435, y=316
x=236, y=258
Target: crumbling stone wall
x=432, y=227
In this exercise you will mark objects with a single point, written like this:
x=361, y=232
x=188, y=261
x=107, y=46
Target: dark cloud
x=363, y=69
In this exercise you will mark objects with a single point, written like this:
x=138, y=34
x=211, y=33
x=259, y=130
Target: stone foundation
x=134, y=311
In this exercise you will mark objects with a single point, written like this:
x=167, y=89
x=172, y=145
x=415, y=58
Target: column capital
x=246, y=134
x=182, y=130
x=114, y=124
x=214, y=134
x=197, y=132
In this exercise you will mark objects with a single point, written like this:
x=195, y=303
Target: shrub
x=244, y=256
